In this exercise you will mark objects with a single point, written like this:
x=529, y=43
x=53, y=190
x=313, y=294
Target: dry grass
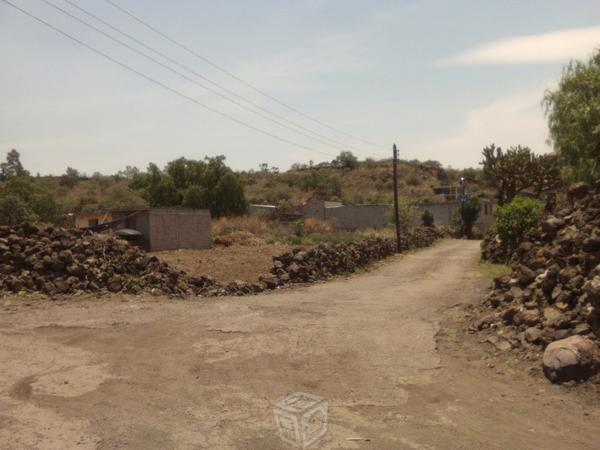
x=311, y=226
x=257, y=226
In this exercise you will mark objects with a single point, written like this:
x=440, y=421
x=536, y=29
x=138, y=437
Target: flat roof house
x=157, y=228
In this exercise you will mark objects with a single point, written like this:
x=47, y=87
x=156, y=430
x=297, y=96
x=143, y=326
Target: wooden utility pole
x=396, y=215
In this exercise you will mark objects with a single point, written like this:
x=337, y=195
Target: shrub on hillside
x=516, y=218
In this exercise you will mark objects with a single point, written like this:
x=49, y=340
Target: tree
x=129, y=173
x=196, y=197
x=14, y=210
x=163, y=193
x=546, y=176
x=469, y=213
x=45, y=208
x=519, y=169
x=119, y=196
x=22, y=187
x=346, y=160
x=193, y=184
x=229, y=198
x=12, y=167
x=177, y=170
x=70, y=178
x=573, y=112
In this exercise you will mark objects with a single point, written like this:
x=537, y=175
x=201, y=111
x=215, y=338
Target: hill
x=211, y=184
x=368, y=182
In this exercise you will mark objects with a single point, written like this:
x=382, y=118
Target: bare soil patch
x=233, y=263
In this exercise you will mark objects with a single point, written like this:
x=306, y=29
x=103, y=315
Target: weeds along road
x=147, y=373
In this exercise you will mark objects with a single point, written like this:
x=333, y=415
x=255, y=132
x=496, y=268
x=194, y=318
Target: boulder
x=573, y=358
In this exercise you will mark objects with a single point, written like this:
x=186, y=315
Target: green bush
x=427, y=218
x=516, y=218
x=407, y=213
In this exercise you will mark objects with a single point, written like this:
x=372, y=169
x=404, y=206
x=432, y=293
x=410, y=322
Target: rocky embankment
x=54, y=261
x=552, y=299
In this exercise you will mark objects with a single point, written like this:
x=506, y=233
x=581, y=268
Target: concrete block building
x=157, y=228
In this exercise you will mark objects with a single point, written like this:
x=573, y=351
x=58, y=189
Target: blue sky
x=441, y=79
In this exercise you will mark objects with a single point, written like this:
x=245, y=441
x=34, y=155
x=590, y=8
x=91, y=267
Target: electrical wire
x=191, y=80
x=340, y=145
x=161, y=84
x=87, y=24
x=232, y=75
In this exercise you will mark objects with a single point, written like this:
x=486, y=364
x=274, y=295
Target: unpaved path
x=205, y=374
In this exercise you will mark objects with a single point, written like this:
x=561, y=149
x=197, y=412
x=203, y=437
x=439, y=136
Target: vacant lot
x=237, y=262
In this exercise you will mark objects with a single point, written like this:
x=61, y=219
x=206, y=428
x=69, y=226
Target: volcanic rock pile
x=554, y=290
x=54, y=260
x=325, y=261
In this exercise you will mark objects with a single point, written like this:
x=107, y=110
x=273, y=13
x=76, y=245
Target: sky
x=441, y=79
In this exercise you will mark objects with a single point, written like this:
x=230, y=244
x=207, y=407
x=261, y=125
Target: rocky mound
x=327, y=260
x=554, y=291
x=492, y=249
x=54, y=260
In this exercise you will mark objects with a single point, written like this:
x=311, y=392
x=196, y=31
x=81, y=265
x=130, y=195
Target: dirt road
x=206, y=374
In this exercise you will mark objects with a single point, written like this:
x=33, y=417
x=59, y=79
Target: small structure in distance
x=154, y=229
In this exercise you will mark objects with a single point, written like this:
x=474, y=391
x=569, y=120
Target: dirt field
x=147, y=373
x=237, y=262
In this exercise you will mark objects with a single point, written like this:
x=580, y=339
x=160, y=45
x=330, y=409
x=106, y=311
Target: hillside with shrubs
x=210, y=183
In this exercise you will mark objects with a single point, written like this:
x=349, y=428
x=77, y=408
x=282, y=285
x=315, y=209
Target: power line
x=191, y=80
x=320, y=139
x=232, y=75
x=163, y=85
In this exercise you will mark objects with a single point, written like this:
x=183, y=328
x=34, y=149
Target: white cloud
x=511, y=120
x=556, y=46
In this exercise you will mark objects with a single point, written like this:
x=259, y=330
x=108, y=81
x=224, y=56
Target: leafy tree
x=516, y=218
x=22, y=187
x=229, y=198
x=468, y=214
x=214, y=171
x=163, y=193
x=177, y=170
x=119, y=196
x=346, y=160
x=12, y=167
x=573, y=111
x=45, y=208
x=407, y=213
x=129, y=173
x=519, y=169
x=196, y=197
x=193, y=184
x=196, y=172
x=70, y=178
x=14, y=210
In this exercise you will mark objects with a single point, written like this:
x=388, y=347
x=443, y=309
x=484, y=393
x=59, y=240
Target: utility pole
x=396, y=215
